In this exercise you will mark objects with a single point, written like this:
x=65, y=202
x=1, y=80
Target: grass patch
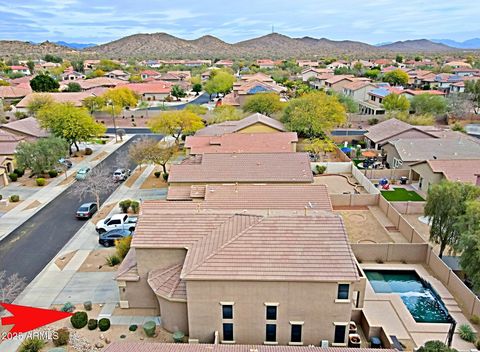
x=402, y=195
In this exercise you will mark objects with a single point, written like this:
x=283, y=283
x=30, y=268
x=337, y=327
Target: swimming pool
x=421, y=300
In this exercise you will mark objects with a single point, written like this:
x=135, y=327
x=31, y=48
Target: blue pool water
x=420, y=299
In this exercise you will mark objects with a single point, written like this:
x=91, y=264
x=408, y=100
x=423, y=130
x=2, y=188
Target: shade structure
x=369, y=154
x=346, y=149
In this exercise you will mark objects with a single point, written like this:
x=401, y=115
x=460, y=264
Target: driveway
x=29, y=248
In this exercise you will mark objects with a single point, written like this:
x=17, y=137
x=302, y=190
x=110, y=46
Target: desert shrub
x=135, y=206
x=124, y=205
x=165, y=176
x=112, y=260
x=475, y=319
x=14, y=198
x=19, y=172
x=372, y=121
x=40, y=181
x=79, y=320
x=104, y=324
x=88, y=151
x=157, y=174
x=321, y=169
x=92, y=324
x=133, y=327
x=20, y=115
x=13, y=176
x=53, y=173
x=123, y=246
x=33, y=344
x=466, y=333
x=62, y=337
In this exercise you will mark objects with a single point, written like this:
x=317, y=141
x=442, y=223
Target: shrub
x=92, y=324
x=61, y=338
x=112, y=260
x=124, y=205
x=379, y=261
x=149, y=328
x=88, y=151
x=165, y=176
x=20, y=115
x=87, y=305
x=33, y=344
x=321, y=169
x=53, y=173
x=133, y=327
x=477, y=344
x=466, y=333
x=13, y=176
x=40, y=181
x=79, y=320
x=135, y=206
x=475, y=319
x=104, y=324
x=123, y=246
x=157, y=174
x=372, y=121
x=19, y=172
x=14, y=198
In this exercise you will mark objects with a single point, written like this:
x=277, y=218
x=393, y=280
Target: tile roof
x=420, y=92
x=247, y=87
x=337, y=78
x=295, y=248
x=259, y=76
x=231, y=99
x=153, y=87
x=127, y=271
x=457, y=170
x=99, y=82
x=355, y=85
x=251, y=168
x=8, y=142
x=170, y=347
x=386, y=129
x=235, y=126
x=167, y=283
x=242, y=143
x=409, y=150
x=18, y=91
x=28, y=126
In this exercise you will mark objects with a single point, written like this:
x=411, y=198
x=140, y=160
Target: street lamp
x=110, y=102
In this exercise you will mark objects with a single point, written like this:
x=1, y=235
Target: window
x=114, y=222
x=339, y=336
x=343, y=290
x=271, y=333
x=227, y=311
x=296, y=333
x=227, y=331
x=271, y=312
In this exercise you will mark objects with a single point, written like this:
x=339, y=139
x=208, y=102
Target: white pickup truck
x=123, y=221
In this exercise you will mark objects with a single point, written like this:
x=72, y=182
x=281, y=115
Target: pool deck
x=389, y=311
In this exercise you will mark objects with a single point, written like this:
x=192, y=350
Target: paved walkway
x=18, y=215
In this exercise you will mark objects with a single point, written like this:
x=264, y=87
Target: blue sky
x=100, y=21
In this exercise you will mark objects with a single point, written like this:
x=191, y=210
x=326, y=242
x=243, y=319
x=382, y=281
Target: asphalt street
x=29, y=248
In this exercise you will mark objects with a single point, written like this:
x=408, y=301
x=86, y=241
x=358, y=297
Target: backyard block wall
x=409, y=207
x=390, y=252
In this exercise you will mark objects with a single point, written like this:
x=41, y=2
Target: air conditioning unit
x=324, y=344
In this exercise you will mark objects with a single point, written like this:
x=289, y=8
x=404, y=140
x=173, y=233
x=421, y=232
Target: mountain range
x=274, y=45
x=473, y=43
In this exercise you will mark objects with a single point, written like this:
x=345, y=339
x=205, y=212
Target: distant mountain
x=77, y=46
x=418, y=45
x=9, y=48
x=383, y=43
x=467, y=44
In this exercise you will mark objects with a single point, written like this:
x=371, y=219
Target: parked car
x=117, y=221
x=86, y=210
x=121, y=174
x=108, y=239
x=82, y=173
x=66, y=163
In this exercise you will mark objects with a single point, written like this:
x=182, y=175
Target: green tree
x=396, y=102
x=117, y=99
x=176, y=123
x=435, y=346
x=399, y=58
x=31, y=66
x=197, y=109
x=446, y=204
x=472, y=88
x=40, y=155
x=263, y=103
x=72, y=124
x=429, y=104
x=220, y=81
x=73, y=87
x=53, y=58
x=94, y=103
x=44, y=83
x=350, y=105
x=372, y=74
x=178, y=92
x=224, y=113
x=197, y=88
x=4, y=83
x=314, y=114
x=320, y=145
x=78, y=66
x=469, y=244
x=37, y=102
x=396, y=77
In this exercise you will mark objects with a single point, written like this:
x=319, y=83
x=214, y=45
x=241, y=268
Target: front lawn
x=402, y=195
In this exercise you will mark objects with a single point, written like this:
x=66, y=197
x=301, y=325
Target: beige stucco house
x=246, y=264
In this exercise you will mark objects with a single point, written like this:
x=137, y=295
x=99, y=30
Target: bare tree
x=150, y=151
x=97, y=182
x=121, y=133
x=11, y=286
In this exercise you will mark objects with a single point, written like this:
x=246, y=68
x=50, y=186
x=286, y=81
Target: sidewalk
x=18, y=215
